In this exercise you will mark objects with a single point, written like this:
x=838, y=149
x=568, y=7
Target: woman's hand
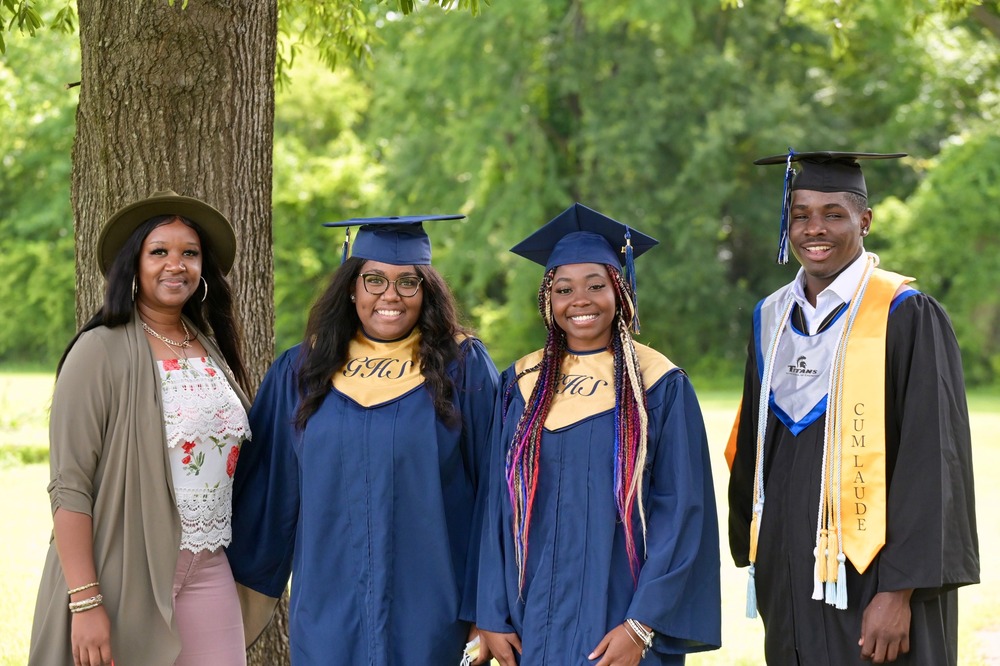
x=484, y=650
x=91, y=638
x=618, y=648
x=90, y=635
x=501, y=646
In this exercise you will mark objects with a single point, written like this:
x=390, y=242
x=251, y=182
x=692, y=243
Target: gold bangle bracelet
x=82, y=588
x=84, y=608
x=86, y=604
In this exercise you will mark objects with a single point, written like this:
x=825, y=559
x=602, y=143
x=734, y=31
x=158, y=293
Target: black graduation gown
x=931, y=541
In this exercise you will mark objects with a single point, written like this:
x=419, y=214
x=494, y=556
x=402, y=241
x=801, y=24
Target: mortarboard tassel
x=347, y=245
x=786, y=201
x=630, y=278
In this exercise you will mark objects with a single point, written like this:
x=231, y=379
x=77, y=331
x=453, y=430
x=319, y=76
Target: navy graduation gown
x=578, y=584
x=372, y=510
x=931, y=542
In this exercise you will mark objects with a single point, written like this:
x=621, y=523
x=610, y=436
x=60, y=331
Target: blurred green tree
x=948, y=238
x=36, y=242
x=322, y=172
x=649, y=112
x=652, y=113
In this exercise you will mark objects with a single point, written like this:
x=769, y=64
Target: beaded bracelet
x=644, y=635
x=82, y=588
x=86, y=604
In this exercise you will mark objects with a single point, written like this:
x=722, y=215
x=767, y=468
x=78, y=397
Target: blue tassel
x=347, y=245
x=751, y=595
x=786, y=202
x=841, y=582
x=831, y=592
x=629, y=259
x=630, y=279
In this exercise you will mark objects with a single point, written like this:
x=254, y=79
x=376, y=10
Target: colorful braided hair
x=631, y=422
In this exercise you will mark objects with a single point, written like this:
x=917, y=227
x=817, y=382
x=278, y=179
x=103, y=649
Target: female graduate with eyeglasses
x=369, y=442
x=600, y=543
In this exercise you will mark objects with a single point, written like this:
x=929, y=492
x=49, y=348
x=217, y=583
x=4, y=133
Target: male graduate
x=851, y=494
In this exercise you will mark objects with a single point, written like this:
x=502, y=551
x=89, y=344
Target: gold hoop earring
x=204, y=282
x=133, y=289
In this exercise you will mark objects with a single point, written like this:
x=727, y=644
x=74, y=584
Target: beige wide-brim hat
x=214, y=226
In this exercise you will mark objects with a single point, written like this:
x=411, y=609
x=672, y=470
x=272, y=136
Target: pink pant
x=207, y=611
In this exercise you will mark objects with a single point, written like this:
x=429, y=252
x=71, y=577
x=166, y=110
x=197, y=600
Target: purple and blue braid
x=525, y=449
x=631, y=421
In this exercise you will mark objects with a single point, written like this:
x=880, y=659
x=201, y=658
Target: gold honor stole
x=586, y=383
x=378, y=372
x=862, y=477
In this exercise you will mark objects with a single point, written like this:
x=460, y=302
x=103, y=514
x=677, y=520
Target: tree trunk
x=182, y=98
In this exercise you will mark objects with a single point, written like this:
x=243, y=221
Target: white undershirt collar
x=839, y=292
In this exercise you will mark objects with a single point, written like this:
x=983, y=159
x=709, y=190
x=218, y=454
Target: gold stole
x=379, y=372
x=586, y=383
x=862, y=417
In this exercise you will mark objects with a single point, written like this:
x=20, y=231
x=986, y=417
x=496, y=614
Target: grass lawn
x=24, y=408
x=26, y=525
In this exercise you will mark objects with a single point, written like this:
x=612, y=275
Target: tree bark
x=986, y=18
x=182, y=98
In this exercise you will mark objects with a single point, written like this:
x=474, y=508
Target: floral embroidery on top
x=205, y=425
x=234, y=453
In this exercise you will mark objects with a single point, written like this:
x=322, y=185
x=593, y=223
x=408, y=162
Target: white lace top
x=205, y=425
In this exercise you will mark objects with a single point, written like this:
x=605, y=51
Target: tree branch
x=987, y=19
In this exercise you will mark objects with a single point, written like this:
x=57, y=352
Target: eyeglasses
x=376, y=284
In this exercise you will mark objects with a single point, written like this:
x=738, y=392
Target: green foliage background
x=36, y=220
x=651, y=112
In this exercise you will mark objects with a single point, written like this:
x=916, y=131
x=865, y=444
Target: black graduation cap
x=398, y=240
x=829, y=171
x=581, y=235
x=821, y=171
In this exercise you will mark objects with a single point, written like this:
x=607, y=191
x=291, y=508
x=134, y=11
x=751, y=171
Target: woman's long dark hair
x=333, y=323
x=215, y=316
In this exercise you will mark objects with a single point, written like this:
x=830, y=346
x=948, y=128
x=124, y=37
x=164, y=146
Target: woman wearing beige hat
x=147, y=420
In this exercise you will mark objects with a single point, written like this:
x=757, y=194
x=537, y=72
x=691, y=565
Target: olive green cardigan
x=108, y=459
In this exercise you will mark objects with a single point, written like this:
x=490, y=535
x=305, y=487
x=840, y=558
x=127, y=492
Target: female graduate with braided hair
x=600, y=542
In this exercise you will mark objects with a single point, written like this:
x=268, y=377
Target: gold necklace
x=184, y=344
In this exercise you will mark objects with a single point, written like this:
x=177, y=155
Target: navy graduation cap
x=581, y=235
x=821, y=171
x=399, y=240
